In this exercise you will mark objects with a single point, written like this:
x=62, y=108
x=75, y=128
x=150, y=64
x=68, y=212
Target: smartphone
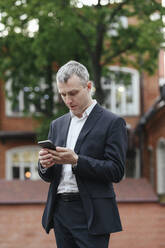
x=47, y=144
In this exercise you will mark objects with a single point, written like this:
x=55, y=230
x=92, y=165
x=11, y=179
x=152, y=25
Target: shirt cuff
x=42, y=169
x=74, y=166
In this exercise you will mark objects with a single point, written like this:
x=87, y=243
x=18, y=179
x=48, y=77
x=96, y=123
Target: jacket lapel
x=89, y=124
x=64, y=129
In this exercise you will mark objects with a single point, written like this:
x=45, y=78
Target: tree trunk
x=49, y=91
x=99, y=93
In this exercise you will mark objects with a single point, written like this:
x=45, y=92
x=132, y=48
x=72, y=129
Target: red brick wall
x=151, y=90
x=1, y=104
x=20, y=227
x=143, y=224
x=161, y=64
x=132, y=120
x=13, y=123
x=155, y=129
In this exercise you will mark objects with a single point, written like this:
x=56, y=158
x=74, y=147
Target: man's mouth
x=72, y=107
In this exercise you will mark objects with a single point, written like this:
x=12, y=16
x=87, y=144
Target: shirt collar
x=87, y=111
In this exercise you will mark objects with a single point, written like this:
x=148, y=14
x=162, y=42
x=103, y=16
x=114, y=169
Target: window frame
x=160, y=171
x=136, y=91
x=9, y=166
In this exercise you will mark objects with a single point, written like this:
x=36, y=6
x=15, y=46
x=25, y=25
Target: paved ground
x=143, y=224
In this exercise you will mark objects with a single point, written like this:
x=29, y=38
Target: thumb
x=61, y=149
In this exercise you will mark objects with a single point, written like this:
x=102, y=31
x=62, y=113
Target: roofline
x=9, y=135
x=149, y=114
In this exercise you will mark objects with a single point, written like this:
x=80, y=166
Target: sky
x=90, y=2
x=33, y=24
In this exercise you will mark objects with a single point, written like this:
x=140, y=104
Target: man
x=90, y=156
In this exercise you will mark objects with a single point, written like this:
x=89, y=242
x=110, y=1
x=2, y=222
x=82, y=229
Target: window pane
x=121, y=91
x=15, y=105
x=24, y=163
x=16, y=172
x=27, y=173
x=129, y=99
x=119, y=95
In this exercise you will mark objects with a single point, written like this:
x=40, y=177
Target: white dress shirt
x=68, y=182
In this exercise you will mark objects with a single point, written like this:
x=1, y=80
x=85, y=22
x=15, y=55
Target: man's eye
x=73, y=93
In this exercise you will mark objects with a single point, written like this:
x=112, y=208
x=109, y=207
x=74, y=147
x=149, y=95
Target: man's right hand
x=45, y=158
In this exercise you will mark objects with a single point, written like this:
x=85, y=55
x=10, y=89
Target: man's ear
x=89, y=85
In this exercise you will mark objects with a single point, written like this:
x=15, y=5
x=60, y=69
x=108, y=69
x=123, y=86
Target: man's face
x=75, y=95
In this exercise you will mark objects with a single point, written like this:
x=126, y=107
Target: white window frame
x=19, y=113
x=8, y=104
x=32, y=166
x=136, y=91
x=113, y=27
x=137, y=164
x=160, y=158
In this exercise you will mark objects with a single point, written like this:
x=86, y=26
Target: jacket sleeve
x=47, y=174
x=111, y=167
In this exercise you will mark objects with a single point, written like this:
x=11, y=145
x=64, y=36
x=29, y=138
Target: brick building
x=22, y=201
x=135, y=97
x=140, y=99
x=18, y=150
x=150, y=132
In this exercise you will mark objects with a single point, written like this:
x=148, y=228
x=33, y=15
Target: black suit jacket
x=101, y=147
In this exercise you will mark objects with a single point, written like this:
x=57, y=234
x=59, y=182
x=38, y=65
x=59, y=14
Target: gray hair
x=72, y=68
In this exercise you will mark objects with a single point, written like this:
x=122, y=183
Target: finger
x=47, y=156
x=43, y=152
x=57, y=159
x=53, y=152
x=46, y=163
x=61, y=149
x=49, y=164
x=58, y=154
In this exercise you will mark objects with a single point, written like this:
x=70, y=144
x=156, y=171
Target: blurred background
x=121, y=42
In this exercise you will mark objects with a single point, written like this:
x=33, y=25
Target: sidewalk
x=22, y=204
x=143, y=224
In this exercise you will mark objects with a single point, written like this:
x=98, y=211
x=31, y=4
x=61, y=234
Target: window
x=122, y=90
x=22, y=163
x=29, y=99
x=21, y=103
x=161, y=166
x=151, y=165
x=115, y=26
x=133, y=165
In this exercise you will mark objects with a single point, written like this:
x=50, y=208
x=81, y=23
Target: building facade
x=18, y=149
x=129, y=94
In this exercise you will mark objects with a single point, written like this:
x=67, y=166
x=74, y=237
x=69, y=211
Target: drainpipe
x=162, y=90
x=141, y=131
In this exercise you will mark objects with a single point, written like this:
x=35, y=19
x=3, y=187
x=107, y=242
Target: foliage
x=42, y=130
x=109, y=40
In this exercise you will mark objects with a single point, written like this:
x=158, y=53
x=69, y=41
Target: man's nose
x=68, y=100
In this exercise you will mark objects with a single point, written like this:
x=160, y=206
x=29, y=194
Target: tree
x=108, y=41
x=95, y=35
x=32, y=44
